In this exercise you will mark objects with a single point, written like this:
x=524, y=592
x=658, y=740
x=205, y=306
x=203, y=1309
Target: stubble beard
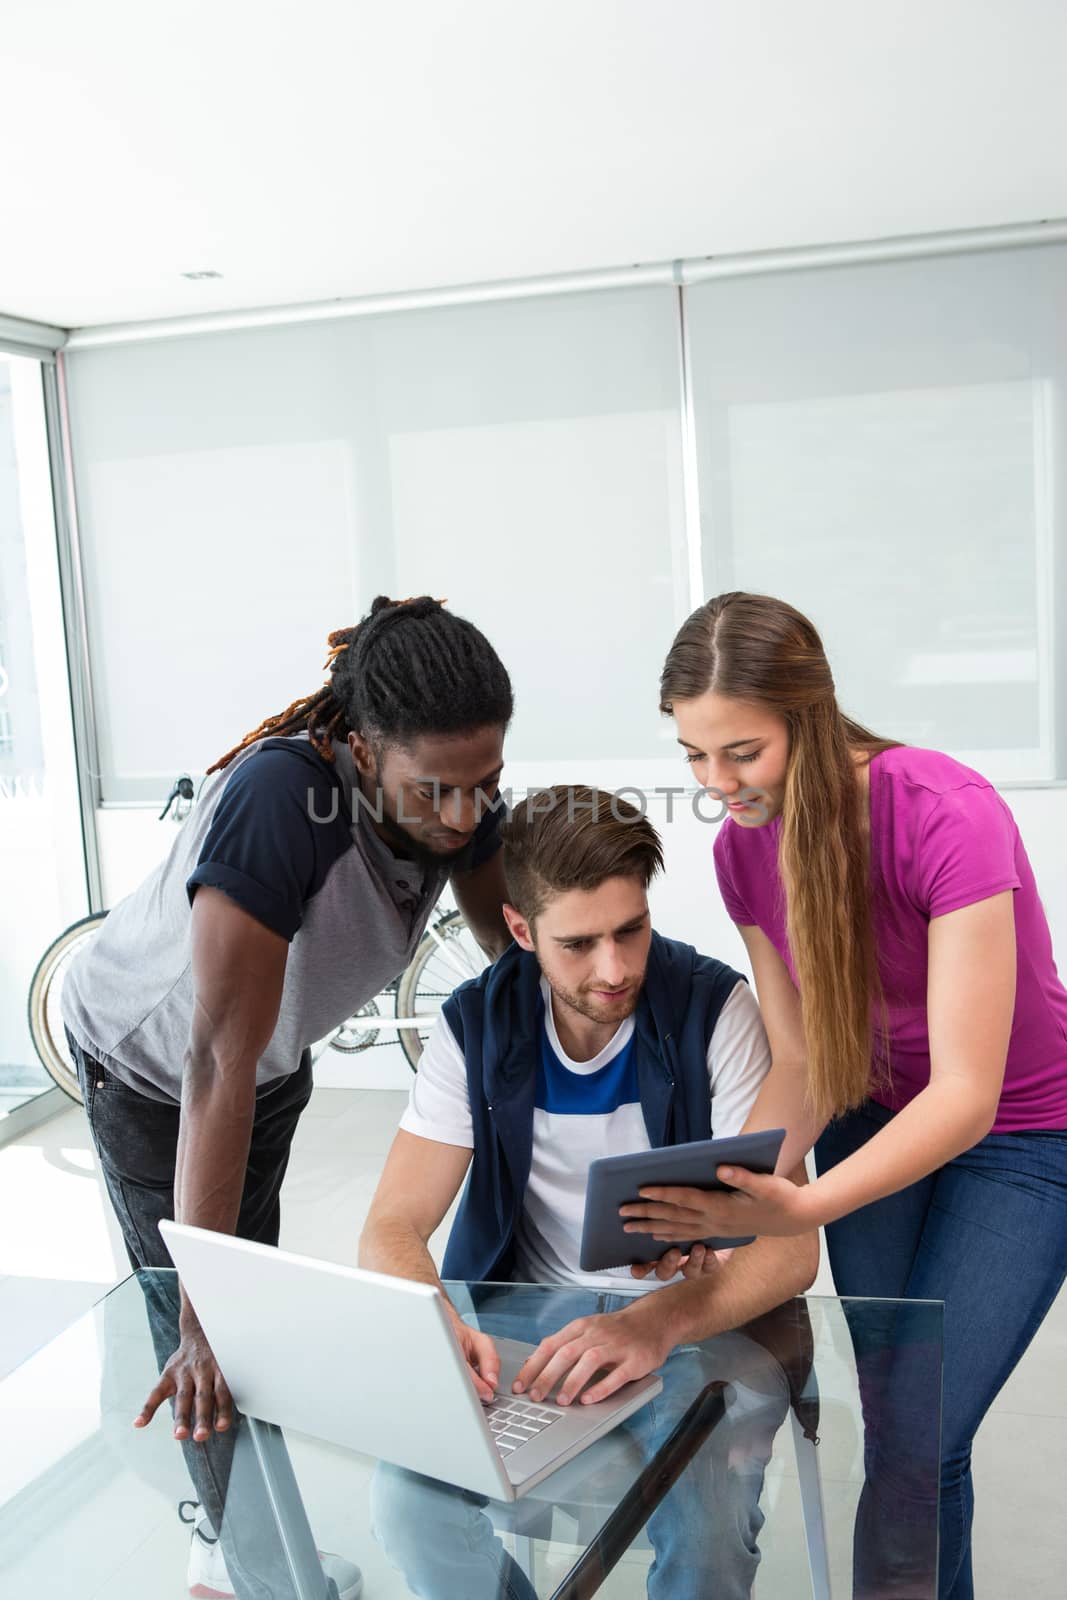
x=587, y=1007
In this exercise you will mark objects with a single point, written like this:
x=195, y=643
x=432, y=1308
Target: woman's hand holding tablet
x=620, y=1213
x=773, y=1207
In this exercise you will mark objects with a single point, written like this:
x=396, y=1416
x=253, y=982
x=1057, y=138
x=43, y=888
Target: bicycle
x=446, y=956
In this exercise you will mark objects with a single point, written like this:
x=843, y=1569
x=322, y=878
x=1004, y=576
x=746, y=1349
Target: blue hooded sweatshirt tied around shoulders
x=496, y=1021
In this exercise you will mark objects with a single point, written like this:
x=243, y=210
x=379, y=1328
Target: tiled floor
x=60, y=1249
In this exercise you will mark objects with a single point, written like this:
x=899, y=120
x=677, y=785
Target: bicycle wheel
x=354, y=1035
x=43, y=1006
x=447, y=956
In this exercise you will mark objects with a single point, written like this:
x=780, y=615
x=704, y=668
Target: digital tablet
x=614, y=1181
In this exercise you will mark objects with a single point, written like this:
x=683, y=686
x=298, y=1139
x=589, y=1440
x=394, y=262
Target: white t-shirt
x=583, y=1110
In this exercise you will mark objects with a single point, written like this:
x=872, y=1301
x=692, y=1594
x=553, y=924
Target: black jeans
x=136, y=1142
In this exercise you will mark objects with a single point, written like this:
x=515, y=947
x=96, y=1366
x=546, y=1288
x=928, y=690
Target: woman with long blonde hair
x=918, y=1027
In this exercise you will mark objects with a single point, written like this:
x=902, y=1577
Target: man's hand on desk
x=614, y=1347
x=202, y=1401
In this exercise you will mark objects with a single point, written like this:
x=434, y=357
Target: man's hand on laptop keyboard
x=613, y=1348
x=482, y=1359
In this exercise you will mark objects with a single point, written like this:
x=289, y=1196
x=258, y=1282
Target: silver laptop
x=371, y=1362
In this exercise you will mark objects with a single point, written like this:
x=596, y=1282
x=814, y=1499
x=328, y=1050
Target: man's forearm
x=756, y=1278
x=396, y=1247
x=214, y=1137
x=480, y=896
x=491, y=932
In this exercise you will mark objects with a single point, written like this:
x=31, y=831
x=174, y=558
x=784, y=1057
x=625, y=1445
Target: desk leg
x=283, y=1492
x=644, y=1495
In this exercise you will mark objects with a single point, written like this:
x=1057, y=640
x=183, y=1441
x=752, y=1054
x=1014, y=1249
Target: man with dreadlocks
x=299, y=887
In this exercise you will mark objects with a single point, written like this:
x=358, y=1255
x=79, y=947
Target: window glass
x=878, y=445
x=241, y=495
x=42, y=865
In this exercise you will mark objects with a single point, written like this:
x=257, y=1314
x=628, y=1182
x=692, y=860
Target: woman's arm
x=970, y=1006
x=781, y=1102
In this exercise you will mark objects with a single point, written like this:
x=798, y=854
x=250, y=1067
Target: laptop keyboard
x=515, y=1422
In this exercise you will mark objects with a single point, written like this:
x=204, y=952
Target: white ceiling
x=338, y=147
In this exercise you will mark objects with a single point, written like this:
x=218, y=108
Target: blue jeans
x=703, y=1532
x=987, y=1235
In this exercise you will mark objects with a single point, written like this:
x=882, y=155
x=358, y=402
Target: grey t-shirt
x=276, y=831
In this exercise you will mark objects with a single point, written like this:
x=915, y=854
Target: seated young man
x=591, y=1036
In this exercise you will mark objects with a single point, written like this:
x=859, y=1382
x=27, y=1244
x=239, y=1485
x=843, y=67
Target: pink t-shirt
x=941, y=838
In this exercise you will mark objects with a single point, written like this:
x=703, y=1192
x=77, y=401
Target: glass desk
x=795, y=1457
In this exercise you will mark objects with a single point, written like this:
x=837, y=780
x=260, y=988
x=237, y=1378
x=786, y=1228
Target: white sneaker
x=209, y=1580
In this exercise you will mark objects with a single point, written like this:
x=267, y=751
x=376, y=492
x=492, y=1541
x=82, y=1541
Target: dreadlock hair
x=408, y=668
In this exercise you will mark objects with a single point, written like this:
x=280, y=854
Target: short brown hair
x=574, y=837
